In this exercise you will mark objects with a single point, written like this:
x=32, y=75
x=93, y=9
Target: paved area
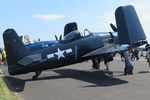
x=78, y=82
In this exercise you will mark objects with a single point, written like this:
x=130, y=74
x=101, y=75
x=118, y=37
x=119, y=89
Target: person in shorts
x=4, y=57
x=106, y=58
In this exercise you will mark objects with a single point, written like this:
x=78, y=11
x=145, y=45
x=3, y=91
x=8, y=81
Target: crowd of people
x=132, y=55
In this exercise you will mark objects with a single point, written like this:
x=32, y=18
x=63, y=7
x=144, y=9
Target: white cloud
x=106, y=19
x=48, y=16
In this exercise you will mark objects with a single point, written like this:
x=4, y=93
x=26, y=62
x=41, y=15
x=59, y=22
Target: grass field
x=6, y=93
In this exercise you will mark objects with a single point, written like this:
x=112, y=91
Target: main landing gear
x=128, y=70
x=36, y=75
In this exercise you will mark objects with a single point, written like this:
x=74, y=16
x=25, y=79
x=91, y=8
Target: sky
x=46, y=18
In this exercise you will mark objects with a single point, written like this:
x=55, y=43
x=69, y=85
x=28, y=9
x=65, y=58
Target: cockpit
x=74, y=35
x=71, y=33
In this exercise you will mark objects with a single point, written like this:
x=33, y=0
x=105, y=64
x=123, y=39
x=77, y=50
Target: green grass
x=6, y=93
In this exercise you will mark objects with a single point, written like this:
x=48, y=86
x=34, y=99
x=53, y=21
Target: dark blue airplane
x=75, y=47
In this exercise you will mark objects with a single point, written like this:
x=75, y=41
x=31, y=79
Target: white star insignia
x=59, y=53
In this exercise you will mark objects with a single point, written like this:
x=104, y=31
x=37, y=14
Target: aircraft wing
x=108, y=49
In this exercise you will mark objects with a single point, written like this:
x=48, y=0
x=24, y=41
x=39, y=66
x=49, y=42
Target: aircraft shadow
x=15, y=84
x=96, y=78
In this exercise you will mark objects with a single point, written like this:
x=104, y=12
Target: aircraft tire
x=34, y=78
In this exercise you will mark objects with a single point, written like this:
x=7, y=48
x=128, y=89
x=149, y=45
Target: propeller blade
x=113, y=28
x=60, y=37
x=56, y=38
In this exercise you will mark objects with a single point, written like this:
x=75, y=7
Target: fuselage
x=61, y=54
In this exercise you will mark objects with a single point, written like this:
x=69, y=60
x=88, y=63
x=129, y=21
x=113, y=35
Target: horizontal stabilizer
x=30, y=59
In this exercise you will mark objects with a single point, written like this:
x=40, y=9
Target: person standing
x=142, y=52
x=4, y=57
x=132, y=55
x=106, y=58
x=0, y=55
x=136, y=53
x=96, y=63
x=148, y=57
x=0, y=59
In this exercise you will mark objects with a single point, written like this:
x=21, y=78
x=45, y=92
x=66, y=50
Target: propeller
x=56, y=38
x=113, y=27
x=59, y=38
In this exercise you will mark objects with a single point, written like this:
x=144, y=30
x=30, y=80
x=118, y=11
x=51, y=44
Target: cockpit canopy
x=70, y=27
x=71, y=33
x=72, y=36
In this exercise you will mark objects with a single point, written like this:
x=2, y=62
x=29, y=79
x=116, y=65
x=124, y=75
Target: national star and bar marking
x=59, y=53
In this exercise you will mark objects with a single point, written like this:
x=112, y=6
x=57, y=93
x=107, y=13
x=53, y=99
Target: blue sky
x=45, y=18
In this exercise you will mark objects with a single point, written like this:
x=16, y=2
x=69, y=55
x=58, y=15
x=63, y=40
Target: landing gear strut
x=36, y=75
x=128, y=70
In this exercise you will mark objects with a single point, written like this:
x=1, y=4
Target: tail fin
x=15, y=49
x=129, y=27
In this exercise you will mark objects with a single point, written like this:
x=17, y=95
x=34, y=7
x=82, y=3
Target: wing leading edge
x=108, y=49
